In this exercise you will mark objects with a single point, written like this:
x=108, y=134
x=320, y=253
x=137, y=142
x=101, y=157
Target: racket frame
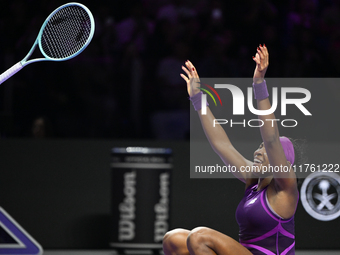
x=25, y=60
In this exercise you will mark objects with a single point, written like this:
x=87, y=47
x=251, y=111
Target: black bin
x=140, y=207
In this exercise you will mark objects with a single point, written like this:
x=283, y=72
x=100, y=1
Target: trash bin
x=140, y=197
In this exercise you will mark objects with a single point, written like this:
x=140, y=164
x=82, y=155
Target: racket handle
x=10, y=72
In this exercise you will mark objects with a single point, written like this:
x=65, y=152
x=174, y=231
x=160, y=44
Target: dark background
x=127, y=81
x=126, y=85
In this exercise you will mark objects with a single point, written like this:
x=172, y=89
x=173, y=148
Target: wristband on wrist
x=260, y=90
x=196, y=101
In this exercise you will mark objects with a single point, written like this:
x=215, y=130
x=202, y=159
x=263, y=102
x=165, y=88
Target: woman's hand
x=192, y=78
x=262, y=61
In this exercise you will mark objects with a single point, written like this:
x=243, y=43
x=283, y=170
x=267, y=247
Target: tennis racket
x=65, y=33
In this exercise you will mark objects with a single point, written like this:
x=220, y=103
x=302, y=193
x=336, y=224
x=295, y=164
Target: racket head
x=66, y=32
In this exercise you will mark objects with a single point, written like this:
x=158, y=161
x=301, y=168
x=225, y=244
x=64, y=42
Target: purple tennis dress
x=262, y=231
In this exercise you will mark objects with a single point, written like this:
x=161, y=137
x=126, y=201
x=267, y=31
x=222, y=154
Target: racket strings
x=66, y=32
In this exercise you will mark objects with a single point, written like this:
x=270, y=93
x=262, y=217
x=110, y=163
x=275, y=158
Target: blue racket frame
x=18, y=66
x=38, y=40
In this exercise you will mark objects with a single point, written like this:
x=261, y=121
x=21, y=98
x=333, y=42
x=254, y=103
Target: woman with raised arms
x=265, y=215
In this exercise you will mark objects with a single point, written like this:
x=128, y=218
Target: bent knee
x=176, y=233
x=198, y=236
x=175, y=238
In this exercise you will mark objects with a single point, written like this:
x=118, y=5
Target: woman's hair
x=300, y=153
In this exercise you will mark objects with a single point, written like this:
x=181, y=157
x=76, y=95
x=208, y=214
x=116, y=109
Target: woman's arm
x=217, y=137
x=284, y=183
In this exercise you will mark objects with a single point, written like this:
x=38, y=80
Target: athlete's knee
x=175, y=238
x=175, y=234
x=198, y=236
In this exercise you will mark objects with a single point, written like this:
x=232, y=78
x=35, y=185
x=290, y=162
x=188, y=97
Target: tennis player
x=266, y=213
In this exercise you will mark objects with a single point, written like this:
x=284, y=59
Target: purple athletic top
x=261, y=230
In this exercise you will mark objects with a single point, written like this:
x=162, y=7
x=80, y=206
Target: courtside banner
x=305, y=110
